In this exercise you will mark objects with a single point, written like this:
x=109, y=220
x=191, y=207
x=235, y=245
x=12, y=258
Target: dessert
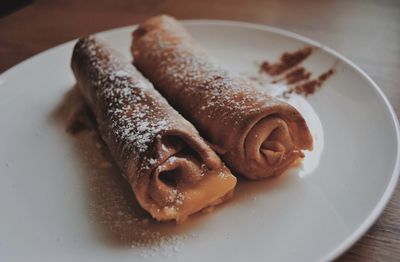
x=170, y=168
x=255, y=134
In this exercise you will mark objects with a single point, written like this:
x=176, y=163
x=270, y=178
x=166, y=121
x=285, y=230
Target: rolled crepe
x=170, y=168
x=256, y=135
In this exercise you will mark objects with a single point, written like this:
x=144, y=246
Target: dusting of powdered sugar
x=114, y=211
x=131, y=107
x=133, y=117
x=187, y=71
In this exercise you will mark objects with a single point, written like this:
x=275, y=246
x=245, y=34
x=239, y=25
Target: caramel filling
x=175, y=171
x=183, y=185
x=215, y=187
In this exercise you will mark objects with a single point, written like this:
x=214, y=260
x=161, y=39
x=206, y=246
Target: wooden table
x=367, y=32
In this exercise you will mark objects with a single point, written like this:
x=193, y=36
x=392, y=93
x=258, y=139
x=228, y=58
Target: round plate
x=55, y=206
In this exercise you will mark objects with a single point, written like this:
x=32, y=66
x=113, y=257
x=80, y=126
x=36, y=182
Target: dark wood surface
x=367, y=32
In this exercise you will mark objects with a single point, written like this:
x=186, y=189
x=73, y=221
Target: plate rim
x=372, y=217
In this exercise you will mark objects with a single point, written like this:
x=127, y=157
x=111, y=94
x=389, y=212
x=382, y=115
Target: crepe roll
x=256, y=135
x=170, y=168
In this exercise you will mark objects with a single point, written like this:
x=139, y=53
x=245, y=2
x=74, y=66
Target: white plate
x=49, y=194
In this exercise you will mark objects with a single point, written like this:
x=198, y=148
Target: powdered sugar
x=127, y=100
x=171, y=160
x=167, y=246
x=120, y=73
x=116, y=214
x=179, y=198
x=182, y=69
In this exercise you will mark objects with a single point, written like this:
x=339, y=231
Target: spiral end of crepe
x=272, y=145
x=173, y=172
x=189, y=178
x=256, y=135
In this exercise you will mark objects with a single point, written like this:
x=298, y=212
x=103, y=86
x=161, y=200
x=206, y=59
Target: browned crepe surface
x=171, y=170
x=256, y=135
